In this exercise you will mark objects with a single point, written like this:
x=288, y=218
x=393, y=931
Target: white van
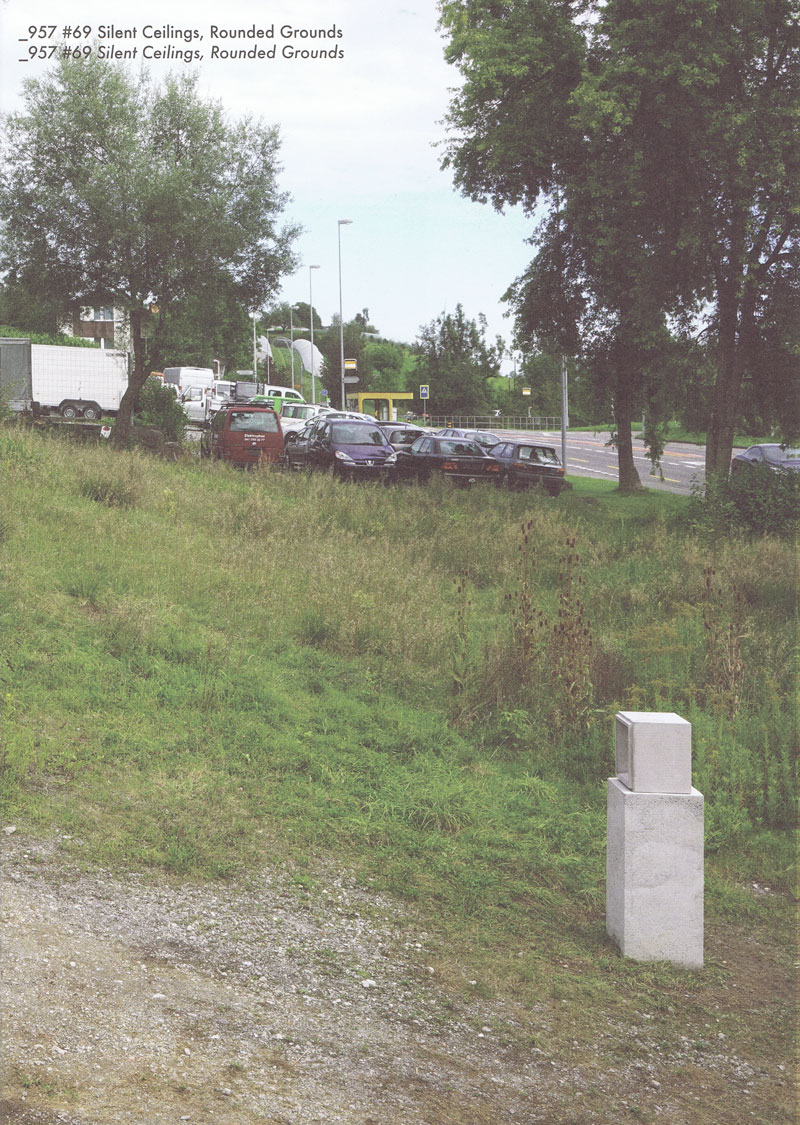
x=183, y=378
x=277, y=396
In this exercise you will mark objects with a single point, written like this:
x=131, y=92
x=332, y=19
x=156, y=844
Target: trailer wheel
x=92, y=412
x=69, y=410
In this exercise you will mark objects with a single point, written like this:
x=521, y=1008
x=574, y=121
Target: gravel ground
x=142, y=1000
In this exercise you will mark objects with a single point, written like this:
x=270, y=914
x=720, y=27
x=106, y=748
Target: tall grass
x=422, y=677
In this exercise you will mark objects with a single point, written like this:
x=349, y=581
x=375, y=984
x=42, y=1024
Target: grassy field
x=200, y=667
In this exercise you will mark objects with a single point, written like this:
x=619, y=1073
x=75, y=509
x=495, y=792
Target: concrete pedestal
x=654, y=875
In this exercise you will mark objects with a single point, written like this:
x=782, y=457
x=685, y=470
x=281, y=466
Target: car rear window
x=538, y=453
x=254, y=421
x=454, y=448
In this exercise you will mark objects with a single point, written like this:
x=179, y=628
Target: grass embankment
x=676, y=432
x=202, y=667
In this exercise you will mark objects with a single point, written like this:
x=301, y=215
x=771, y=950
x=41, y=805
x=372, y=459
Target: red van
x=244, y=435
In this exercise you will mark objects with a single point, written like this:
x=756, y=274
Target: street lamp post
x=291, y=341
x=311, y=314
x=342, y=223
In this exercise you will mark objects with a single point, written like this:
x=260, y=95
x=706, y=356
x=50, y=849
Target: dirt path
x=142, y=1001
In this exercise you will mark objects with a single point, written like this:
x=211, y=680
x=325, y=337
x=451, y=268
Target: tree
x=454, y=359
x=663, y=139
x=148, y=195
x=329, y=343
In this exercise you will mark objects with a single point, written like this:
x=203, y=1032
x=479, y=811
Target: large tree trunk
x=736, y=347
x=725, y=397
x=623, y=415
x=138, y=377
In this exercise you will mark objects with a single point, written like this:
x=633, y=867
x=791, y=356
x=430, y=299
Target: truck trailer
x=73, y=382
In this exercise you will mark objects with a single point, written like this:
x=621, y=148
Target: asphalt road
x=588, y=455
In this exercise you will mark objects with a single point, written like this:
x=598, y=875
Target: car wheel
x=69, y=411
x=91, y=413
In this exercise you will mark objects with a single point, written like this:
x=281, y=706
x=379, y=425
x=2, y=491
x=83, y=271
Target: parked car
x=295, y=446
x=244, y=435
x=294, y=415
x=771, y=455
x=483, y=437
x=352, y=448
x=461, y=461
x=400, y=434
x=523, y=463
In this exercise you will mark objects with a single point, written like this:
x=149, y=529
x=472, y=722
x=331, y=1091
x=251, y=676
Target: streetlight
x=311, y=313
x=342, y=223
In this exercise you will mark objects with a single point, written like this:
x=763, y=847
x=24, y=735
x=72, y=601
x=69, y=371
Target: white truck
x=202, y=403
x=71, y=381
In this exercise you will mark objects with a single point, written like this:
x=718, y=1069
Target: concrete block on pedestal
x=654, y=751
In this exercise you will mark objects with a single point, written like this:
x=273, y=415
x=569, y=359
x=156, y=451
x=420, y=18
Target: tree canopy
x=455, y=360
x=146, y=195
x=663, y=142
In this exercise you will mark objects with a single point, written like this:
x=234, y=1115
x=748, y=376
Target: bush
x=758, y=500
x=158, y=407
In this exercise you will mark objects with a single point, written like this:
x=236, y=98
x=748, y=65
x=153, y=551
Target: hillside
x=269, y=688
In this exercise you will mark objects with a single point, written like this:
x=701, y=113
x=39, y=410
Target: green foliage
x=58, y=338
x=756, y=500
x=160, y=202
x=636, y=95
x=159, y=407
x=454, y=359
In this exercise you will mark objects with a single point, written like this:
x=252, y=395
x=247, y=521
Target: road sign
x=350, y=364
x=424, y=391
x=526, y=390
x=351, y=378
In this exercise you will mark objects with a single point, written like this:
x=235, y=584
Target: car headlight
x=340, y=456
x=390, y=460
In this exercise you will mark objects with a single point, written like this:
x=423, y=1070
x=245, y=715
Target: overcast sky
x=358, y=142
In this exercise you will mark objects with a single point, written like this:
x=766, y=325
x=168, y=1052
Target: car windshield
x=254, y=421
x=455, y=448
x=350, y=433
x=779, y=456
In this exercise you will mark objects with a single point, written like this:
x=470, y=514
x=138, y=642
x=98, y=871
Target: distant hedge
x=45, y=338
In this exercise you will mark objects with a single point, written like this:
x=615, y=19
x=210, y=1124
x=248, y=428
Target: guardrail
x=484, y=422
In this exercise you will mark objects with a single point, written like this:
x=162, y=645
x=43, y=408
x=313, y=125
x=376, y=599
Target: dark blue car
x=348, y=447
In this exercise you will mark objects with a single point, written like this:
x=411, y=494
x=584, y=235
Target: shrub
x=757, y=500
x=159, y=407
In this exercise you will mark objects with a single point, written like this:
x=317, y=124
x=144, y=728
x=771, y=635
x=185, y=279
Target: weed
x=724, y=629
x=461, y=659
x=570, y=650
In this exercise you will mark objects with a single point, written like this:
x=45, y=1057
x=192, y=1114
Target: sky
x=359, y=140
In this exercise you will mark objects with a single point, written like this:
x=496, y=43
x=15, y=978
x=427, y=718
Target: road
x=588, y=455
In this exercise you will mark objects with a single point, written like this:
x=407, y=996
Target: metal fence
x=484, y=422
